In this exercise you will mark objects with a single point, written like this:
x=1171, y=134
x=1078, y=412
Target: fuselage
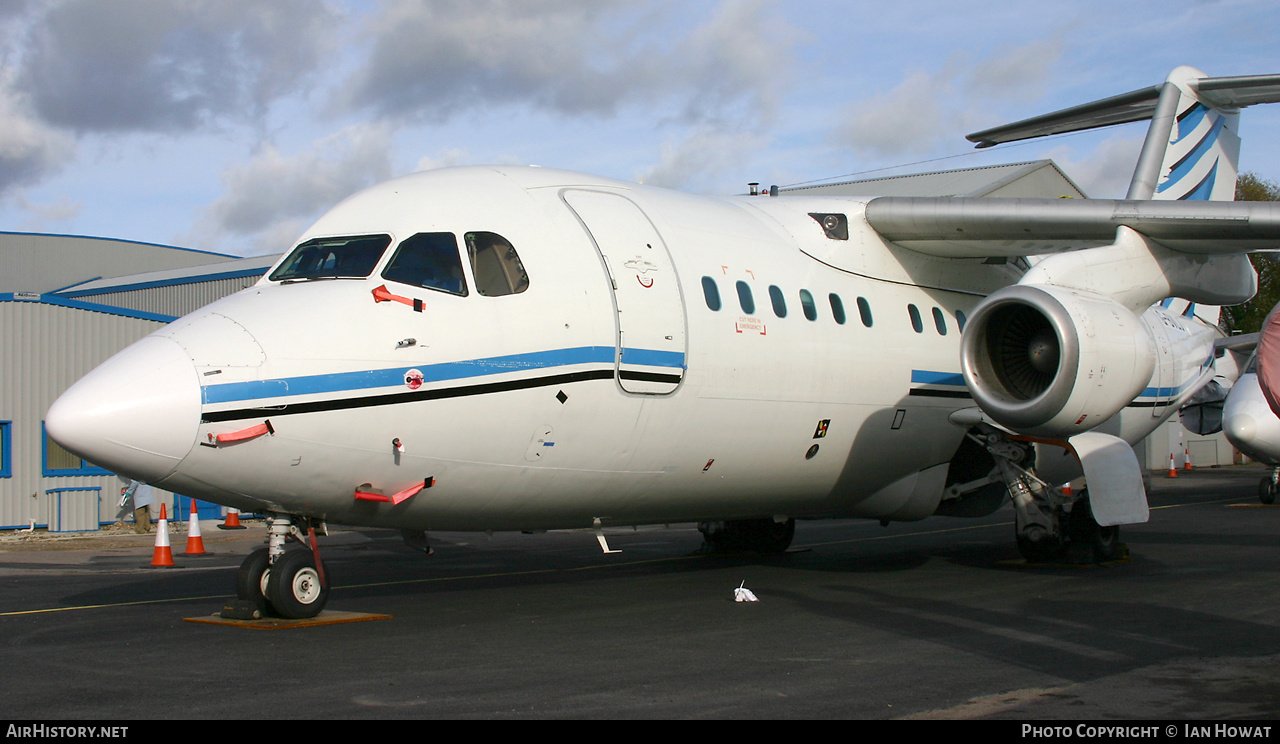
x=595, y=350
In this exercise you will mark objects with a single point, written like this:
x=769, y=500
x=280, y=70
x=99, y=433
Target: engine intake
x=1049, y=361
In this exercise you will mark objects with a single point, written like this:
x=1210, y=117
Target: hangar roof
x=230, y=269
x=32, y=262
x=1036, y=178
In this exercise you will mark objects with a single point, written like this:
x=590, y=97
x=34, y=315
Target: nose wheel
x=285, y=583
x=295, y=585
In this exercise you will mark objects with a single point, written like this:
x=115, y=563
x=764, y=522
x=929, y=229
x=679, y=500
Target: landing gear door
x=650, y=319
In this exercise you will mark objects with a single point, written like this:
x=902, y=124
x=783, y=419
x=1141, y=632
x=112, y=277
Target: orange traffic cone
x=1173, y=470
x=163, y=555
x=1186, y=463
x=195, y=545
x=1066, y=488
x=232, y=520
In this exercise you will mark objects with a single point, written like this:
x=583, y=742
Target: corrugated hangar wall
x=47, y=348
x=61, y=315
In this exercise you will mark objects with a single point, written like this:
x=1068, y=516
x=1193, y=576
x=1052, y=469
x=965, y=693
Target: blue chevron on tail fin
x=1203, y=148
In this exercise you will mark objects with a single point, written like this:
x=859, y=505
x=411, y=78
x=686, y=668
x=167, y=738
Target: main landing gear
x=289, y=583
x=1268, y=486
x=754, y=535
x=1049, y=526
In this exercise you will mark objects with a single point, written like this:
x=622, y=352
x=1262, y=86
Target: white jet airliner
x=521, y=348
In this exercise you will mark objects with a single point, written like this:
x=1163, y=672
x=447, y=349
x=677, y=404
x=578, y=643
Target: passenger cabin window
x=428, y=260
x=495, y=264
x=779, y=302
x=711, y=292
x=745, y=299
x=806, y=303
x=837, y=308
x=351, y=257
x=864, y=311
x=940, y=321
x=916, y=322
x=960, y=319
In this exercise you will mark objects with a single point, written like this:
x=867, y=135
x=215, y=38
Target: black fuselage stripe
x=415, y=396
x=939, y=393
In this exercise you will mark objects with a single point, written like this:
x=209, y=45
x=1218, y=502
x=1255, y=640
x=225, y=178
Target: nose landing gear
x=288, y=583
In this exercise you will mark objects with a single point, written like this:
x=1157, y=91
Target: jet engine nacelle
x=1048, y=361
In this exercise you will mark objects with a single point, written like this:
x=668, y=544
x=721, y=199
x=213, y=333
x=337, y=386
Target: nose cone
x=1240, y=428
x=136, y=415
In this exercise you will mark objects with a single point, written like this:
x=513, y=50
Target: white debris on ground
x=743, y=594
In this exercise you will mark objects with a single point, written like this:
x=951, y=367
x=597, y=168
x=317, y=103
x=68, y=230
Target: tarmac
x=938, y=619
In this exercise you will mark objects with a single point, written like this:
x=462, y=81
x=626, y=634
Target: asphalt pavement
x=938, y=619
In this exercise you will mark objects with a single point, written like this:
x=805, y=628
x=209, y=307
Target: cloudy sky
x=230, y=125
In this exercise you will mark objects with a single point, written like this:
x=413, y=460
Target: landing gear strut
x=289, y=583
x=1049, y=525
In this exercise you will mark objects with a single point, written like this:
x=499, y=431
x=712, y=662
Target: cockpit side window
x=428, y=260
x=495, y=264
x=333, y=258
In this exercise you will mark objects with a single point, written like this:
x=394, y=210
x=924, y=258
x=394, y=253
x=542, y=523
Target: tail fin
x=1192, y=147
x=1200, y=146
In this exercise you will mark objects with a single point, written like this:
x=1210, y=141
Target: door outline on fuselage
x=649, y=318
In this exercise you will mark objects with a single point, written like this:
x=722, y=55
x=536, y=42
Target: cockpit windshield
x=351, y=257
x=428, y=260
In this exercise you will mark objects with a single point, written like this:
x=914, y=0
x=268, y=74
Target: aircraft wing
x=988, y=227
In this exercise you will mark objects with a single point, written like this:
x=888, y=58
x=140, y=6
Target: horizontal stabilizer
x=1138, y=105
x=987, y=227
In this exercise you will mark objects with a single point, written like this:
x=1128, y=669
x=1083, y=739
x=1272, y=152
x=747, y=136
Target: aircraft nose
x=136, y=415
x=1240, y=428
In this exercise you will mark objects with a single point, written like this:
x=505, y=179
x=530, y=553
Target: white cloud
x=1015, y=73
x=444, y=159
x=696, y=161
x=911, y=118
x=168, y=65
x=432, y=60
x=29, y=149
x=926, y=109
x=1105, y=171
x=276, y=194
x=41, y=215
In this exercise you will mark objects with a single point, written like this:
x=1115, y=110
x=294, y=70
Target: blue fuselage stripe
x=925, y=377
x=395, y=377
